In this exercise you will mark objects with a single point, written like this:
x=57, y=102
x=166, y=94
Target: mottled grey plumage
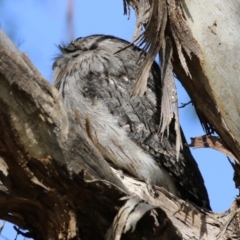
x=96, y=83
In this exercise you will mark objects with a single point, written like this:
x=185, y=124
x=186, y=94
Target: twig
x=185, y=104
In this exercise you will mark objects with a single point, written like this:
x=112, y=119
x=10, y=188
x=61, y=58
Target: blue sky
x=38, y=26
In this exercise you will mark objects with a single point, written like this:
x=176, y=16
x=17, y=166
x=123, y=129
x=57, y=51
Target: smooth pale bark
x=215, y=27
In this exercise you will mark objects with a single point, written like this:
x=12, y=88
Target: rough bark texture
x=55, y=189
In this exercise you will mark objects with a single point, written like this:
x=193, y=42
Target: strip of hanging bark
x=152, y=39
x=181, y=34
x=207, y=141
x=169, y=103
x=165, y=28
